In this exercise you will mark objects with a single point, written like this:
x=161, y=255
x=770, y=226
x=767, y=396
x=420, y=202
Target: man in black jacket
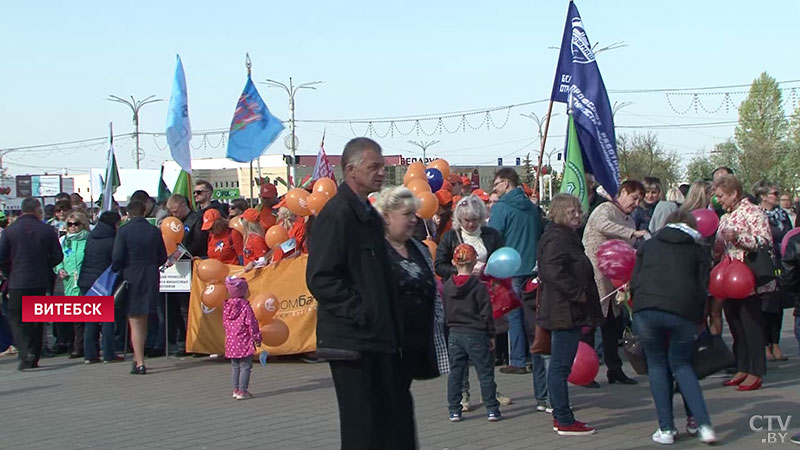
x=32, y=248
x=348, y=273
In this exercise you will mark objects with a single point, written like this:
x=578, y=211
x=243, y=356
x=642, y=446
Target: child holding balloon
x=242, y=335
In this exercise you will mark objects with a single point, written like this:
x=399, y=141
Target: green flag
x=184, y=187
x=110, y=182
x=574, y=181
x=163, y=190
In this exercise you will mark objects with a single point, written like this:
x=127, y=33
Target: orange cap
x=446, y=186
x=209, y=217
x=445, y=197
x=481, y=194
x=466, y=181
x=465, y=254
x=250, y=215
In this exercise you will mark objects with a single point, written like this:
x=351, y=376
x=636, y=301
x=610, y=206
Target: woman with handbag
x=741, y=231
x=73, y=244
x=568, y=300
x=669, y=287
x=97, y=259
x=768, y=196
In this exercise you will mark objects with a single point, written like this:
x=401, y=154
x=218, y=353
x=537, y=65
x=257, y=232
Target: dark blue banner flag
x=253, y=127
x=579, y=83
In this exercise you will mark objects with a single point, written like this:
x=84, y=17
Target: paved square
x=187, y=404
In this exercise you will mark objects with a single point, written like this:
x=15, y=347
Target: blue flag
x=253, y=127
x=179, y=131
x=578, y=82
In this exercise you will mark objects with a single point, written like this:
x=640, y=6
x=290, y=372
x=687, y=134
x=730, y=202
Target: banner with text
x=298, y=309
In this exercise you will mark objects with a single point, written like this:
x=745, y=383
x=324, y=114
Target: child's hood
x=464, y=288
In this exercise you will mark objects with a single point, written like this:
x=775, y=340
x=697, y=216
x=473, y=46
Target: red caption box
x=67, y=309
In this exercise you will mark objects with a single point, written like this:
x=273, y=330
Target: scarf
x=474, y=239
x=79, y=236
x=778, y=217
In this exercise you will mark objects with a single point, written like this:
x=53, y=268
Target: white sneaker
x=664, y=436
x=503, y=400
x=465, y=406
x=706, y=434
x=11, y=350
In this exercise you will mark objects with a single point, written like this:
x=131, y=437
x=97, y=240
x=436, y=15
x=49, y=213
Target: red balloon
x=739, y=280
x=585, y=365
x=615, y=259
x=707, y=221
x=716, y=283
x=786, y=238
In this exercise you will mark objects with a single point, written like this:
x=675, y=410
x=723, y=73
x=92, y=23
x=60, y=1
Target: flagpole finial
x=248, y=63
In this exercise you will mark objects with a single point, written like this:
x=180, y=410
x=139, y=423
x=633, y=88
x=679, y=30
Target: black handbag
x=763, y=263
x=711, y=355
x=121, y=294
x=634, y=350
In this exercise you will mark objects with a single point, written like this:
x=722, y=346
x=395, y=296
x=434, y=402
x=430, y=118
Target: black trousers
x=611, y=330
x=746, y=322
x=376, y=410
x=773, y=322
x=28, y=336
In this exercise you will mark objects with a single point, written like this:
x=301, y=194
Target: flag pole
x=251, y=183
x=541, y=151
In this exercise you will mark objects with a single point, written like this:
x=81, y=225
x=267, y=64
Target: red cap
x=250, y=215
x=466, y=181
x=465, y=254
x=209, y=217
x=268, y=190
x=481, y=194
x=445, y=197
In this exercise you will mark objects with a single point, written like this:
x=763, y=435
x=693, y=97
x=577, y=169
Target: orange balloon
x=274, y=333
x=214, y=295
x=296, y=201
x=276, y=235
x=317, y=201
x=414, y=175
x=443, y=167
x=212, y=271
x=265, y=306
x=172, y=229
x=429, y=204
x=431, y=247
x=170, y=245
x=419, y=185
x=236, y=224
x=417, y=166
x=325, y=185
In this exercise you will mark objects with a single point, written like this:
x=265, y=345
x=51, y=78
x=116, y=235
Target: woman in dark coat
x=96, y=259
x=568, y=301
x=138, y=253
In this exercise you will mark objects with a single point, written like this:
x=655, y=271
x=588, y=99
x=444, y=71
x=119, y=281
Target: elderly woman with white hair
x=469, y=227
x=419, y=303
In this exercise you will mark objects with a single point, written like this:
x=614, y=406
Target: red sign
x=67, y=309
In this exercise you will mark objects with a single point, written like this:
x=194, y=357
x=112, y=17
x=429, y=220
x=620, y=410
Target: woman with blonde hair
x=73, y=244
x=698, y=197
x=255, y=247
x=295, y=227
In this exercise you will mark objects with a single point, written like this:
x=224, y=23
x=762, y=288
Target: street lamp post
x=540, y=122
x=291, y=90
x=424, y=146
x=135, y=106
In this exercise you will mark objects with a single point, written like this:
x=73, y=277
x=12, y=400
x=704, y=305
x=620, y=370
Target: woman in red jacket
x=220, y=240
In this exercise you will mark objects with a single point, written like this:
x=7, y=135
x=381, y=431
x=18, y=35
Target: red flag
x=322, y=168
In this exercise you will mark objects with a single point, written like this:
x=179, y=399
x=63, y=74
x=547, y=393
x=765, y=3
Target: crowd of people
x=401, y=298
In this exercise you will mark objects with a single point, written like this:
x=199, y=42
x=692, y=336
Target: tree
x=760, y=134
x=528, y=170
x=699, y=168
x=641, y=155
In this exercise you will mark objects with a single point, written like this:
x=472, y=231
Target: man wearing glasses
x=203, y=198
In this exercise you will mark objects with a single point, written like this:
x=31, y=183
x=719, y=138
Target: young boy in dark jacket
x=468, y=315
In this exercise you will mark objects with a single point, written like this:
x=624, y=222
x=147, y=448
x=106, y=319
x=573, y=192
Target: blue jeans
x=668, y=342
x=240, y=372
x=517, y=333
x=463, y=348
x=564, y=346
x=90, y=337
x=540, y=367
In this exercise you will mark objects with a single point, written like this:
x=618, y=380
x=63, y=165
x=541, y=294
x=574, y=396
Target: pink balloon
x=739, y=280
x=585, y=365
x=615, y=259
x=786, y=238
x=707, y=221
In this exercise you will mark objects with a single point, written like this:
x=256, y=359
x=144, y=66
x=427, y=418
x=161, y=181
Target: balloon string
x=614, y=292
x=427, y=232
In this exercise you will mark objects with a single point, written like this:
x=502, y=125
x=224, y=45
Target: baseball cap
x=446, y=186
x=251, y=215
x=444, y=197
x=481, y=194
x=268, y=190
x=465, y=254
x=209, y=217
x=455, y=179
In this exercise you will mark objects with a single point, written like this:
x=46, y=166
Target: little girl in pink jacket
x=242, y=335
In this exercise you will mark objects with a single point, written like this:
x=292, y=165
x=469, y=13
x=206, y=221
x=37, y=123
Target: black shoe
x=75, y=355
x=621, y=378
x=27, y=363
x=141, y=370
x=60, y=350
x=593, y=385
x=513, y=370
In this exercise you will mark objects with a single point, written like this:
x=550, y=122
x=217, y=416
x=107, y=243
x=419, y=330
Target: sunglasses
x=74, y=224
x=201, y=192
x=775, y=193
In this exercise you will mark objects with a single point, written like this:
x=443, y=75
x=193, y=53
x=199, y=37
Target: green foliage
x=642, y=155
x=528, y=170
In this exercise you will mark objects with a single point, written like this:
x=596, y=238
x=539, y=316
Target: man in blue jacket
x=32, y=248
x=520, y=223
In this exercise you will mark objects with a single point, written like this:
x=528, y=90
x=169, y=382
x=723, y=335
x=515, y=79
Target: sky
x=61, y=60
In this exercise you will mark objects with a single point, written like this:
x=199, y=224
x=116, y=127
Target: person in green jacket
x=73, y=244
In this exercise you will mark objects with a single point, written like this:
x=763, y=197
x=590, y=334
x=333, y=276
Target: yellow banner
x=298, y=309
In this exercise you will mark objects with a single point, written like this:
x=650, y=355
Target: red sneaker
x=576, y=429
